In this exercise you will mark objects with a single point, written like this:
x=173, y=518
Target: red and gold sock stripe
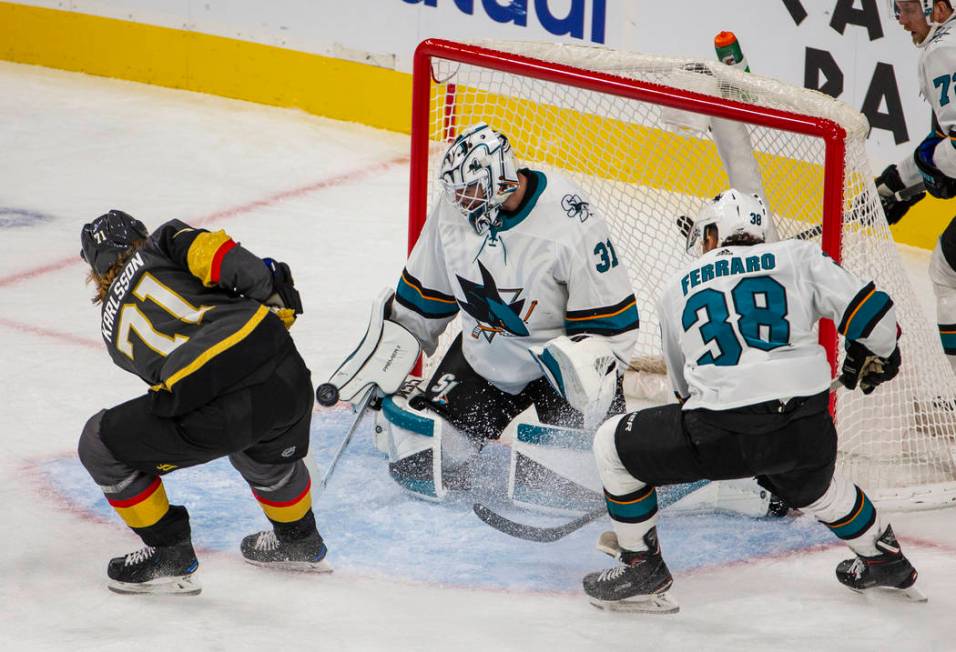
x=145, y=508
x=287, y=511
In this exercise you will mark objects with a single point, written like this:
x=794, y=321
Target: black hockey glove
x=867, y=369
x=284, y=294
x=895, y=197
x=685, y=224
x=937, y=183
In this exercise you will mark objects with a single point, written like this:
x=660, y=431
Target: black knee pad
x=89, y=448
x=100, y=462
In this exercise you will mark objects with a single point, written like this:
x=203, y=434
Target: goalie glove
x=895, y=197
x=583, y=370
x=284, y=300
x=863, y=367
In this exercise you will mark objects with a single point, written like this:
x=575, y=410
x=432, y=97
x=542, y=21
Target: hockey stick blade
x=531, y=532
x=551, y=534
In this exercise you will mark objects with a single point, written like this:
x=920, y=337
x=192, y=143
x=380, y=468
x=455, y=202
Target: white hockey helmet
x=478, y=174
x=927, y=6
x=923, y=6
x=733, y=213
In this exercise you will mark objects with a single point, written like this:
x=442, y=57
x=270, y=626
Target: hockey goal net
x=650, y=139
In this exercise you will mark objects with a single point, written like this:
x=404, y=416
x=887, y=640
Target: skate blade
x=180, y=585
x=912, y=593
x=655, y=603
x=321, y=566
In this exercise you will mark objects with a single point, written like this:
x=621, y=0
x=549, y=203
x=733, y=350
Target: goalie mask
x=733, y=213
x=109, y=236
x=478, y=174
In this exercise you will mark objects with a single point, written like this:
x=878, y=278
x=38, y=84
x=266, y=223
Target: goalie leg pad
x=552, y=469
x=384, y=357
x=423, y=449
x=744, y=496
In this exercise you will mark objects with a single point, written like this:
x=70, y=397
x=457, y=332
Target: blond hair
x=102, y=282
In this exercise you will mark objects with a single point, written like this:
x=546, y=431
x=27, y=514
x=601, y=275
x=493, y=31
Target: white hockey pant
x=944, y=287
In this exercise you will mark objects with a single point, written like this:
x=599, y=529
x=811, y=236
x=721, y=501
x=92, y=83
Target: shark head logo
x=494, y=314
x=576, y=207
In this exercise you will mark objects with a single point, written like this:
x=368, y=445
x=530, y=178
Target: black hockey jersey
x=186, y=315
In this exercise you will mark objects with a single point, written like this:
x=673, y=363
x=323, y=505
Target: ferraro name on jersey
x=550, y=269
x=737, y=324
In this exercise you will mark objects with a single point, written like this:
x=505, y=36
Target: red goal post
x=598, y=115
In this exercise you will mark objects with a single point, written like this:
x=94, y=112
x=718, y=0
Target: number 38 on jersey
x=752, y=314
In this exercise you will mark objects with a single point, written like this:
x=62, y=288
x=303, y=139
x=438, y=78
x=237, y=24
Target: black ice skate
x=265, y=549
x=640, y=584
x=164, y=569
x=888, y=570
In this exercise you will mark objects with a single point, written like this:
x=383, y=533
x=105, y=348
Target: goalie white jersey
x=550, y=269
x=737, y=324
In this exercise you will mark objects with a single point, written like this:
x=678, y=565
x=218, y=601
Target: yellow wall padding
x=193, y=61
x=325, y=86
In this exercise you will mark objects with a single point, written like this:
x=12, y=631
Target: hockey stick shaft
x=359, y=413
x=550, y=534
x=903, y=195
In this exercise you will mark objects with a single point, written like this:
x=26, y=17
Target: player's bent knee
x=267, y=475
x=96, y=458
x=90, y=447
x=605, y=447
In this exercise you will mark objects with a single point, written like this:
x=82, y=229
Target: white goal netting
x=644, y=162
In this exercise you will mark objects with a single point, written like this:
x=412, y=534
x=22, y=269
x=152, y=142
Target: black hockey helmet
x=107, y=237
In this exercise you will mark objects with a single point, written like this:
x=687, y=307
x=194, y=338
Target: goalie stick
x=363, y=405
x=550, y=534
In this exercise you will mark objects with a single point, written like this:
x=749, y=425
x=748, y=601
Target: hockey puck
x=327, y=394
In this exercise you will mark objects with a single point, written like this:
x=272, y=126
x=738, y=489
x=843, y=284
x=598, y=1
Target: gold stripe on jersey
x=202, y=253
x=215, y=350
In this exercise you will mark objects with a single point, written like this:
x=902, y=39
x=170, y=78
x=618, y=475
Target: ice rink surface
x=329, y=198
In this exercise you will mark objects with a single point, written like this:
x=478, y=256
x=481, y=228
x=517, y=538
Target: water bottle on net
x=729, y=51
